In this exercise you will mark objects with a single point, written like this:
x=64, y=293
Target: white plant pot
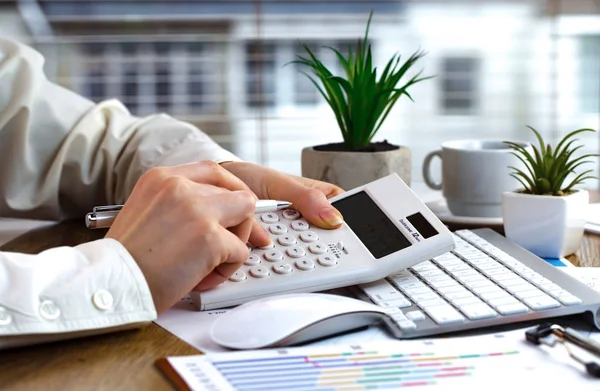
x=352, y=169
x=548, y=226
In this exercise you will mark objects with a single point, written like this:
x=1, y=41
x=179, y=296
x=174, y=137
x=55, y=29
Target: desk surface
x=124, y=360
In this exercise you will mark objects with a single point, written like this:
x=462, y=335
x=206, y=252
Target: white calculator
x=386, y=229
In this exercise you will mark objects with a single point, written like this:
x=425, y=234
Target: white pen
x=103, y=216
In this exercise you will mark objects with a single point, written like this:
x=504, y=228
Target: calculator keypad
x=294, y=248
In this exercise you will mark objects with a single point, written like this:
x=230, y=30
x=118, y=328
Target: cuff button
x=5, y=317
x=103, y=300
x=49, y=310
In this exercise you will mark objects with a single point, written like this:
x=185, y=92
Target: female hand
x=308, y=196
x=186, y=227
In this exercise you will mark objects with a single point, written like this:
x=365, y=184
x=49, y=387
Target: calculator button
x=259, y=272
x=305, y=264
x=278, y=229
x=295, y=252
x=318, y=248
x=268, y=246
x=269, y=218
x=340, y=245
x=273, y=256
x=327, y=261
x=291, y=214
x=309, y=236
x=300, y=225
x=252, y=260
x=238, y=276
x=282, y=268
x=287, y=240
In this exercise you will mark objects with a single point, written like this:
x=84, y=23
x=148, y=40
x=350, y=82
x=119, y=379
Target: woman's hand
x=308, y=196
x=187, y=228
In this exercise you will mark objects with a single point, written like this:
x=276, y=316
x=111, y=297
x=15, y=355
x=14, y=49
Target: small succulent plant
x=548, y=168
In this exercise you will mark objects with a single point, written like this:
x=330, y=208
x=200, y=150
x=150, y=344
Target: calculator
x=386, y=229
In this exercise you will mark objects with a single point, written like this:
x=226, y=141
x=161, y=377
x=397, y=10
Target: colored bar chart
x=352, y=368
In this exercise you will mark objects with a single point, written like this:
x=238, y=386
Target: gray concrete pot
x=351, y=169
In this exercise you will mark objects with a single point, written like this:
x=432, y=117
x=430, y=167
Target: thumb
x=310, y=202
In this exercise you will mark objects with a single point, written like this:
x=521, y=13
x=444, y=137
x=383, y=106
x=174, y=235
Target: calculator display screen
x=371, y=225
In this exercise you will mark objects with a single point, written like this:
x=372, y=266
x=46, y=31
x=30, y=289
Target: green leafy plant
x=360, y=101
x=547, y=169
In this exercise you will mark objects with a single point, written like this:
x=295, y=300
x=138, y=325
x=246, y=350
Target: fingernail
x=268, y=236
x=331, y=217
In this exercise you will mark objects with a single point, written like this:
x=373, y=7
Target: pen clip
x=107, y=208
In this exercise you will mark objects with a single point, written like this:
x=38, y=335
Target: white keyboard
x=487, y=280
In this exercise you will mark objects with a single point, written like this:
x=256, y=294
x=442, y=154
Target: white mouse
x=290, y=319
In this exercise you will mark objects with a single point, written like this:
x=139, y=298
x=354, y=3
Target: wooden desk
x=124, y=360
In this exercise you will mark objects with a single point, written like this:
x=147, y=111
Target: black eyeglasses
x=551, y=334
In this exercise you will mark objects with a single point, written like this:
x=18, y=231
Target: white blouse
x=60, y=155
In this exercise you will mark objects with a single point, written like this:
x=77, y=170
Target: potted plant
x=360, y=100
x=547, y=216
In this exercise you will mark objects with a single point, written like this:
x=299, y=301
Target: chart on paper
x=443, y=364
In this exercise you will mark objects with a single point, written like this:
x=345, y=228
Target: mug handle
x=426, y=171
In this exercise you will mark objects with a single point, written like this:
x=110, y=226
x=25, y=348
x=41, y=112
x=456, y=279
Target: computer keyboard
x=486, y=281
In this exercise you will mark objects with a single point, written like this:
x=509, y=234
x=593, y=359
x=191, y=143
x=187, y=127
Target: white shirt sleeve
x=71, y=291
x=60, y=155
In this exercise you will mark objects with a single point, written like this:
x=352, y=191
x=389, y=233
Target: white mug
x=475, y=173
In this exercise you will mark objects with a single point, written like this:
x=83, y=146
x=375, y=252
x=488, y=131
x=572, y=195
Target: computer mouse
x=291, y=319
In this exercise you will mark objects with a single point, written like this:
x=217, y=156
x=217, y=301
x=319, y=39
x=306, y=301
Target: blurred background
x=498, y=66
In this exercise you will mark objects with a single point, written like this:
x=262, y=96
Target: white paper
x=499, y=362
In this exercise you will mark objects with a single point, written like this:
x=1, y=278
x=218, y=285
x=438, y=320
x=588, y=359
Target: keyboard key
x=406, y=325
x=381, y=290
x=444, y=314
x=511, y=309
x=478, y=311
x=539, y=303
x=569, y=299
x=415, y=316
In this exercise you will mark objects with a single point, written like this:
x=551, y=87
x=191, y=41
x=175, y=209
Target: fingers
x=259, y=237
x=232, y=208
x=205, y=172
x=310, y=201
x=236, y=256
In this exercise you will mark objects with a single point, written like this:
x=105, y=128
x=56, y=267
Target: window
x=589, y=74
x=260, y=71
x=166, y=76
x=459, y=85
